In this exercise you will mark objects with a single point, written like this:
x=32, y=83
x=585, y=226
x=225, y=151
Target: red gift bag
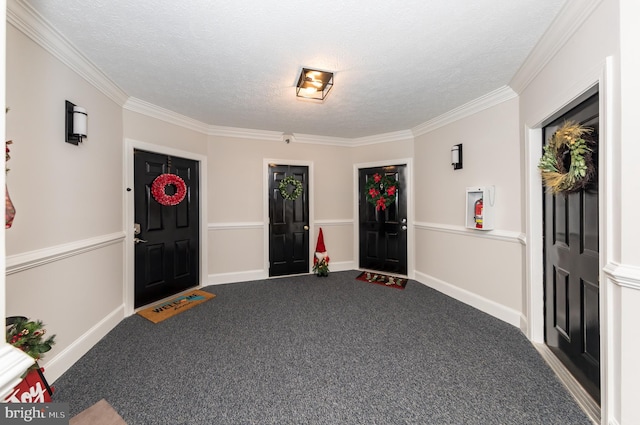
x=33, y=389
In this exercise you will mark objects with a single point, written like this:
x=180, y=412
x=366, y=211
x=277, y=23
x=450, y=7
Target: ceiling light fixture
x=314, y=84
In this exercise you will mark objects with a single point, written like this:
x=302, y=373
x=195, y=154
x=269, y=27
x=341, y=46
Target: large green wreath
x=381, y=191
x=568, y=139
x=283, y=187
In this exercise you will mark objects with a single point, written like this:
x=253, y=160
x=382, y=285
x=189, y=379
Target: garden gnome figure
x=321, y=257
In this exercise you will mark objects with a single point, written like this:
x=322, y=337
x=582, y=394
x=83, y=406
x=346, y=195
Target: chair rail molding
x=623, y=275
x=28, y=260
x=500, y=235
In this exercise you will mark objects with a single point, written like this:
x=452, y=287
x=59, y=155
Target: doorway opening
x=289, y=222
x=572, y=263
x=383, y=229
x=131, y=146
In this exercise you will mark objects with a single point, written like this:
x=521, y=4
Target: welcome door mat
x=383, y=279
x=170, y=308
x=100, y=413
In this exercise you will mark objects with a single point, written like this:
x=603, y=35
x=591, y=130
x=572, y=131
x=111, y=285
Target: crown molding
x=489, y=100
x=245, y=133
x=395, y=136
x=149, y=109
x=571, y=17
x=140, y=106
x=22, y=16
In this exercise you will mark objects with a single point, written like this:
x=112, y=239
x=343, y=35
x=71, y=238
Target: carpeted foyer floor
x=309, y=350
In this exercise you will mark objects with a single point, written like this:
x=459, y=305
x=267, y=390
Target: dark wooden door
x=288, y=222
x=572, y=320
x=167, y=255
x=383, y=233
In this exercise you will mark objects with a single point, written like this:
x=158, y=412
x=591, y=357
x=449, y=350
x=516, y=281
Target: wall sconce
x=314, y=84
x=75, y=123
x=456, y=156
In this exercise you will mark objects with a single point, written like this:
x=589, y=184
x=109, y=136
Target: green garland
x=567, y=140
x=28, y=336
x=381, y=190
x=283, y=187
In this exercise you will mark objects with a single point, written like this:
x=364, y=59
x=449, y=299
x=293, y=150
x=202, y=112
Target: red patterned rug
x=383, y=279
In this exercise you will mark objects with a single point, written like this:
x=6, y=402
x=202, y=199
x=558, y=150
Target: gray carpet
x=309, y=350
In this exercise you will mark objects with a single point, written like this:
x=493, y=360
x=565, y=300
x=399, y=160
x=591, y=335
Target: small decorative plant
x=28, y=336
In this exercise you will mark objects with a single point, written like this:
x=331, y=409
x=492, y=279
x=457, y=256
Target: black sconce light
x=314, y=84
x=75, y=123
x=456, y=156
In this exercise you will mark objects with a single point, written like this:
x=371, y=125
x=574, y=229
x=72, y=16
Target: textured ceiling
x=235, y=63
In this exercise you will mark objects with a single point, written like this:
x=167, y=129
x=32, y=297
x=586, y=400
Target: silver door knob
x=138, y=240
x=404, y=227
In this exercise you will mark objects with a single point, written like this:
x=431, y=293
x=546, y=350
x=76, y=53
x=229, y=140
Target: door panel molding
x=408, y=163
x=128, y=201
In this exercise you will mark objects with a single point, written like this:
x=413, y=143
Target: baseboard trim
x=28, y=260
x=234, y=277
x=59, y=364
x=486, y=305
x=584, y=400
x=249, y=275
x=342, y=266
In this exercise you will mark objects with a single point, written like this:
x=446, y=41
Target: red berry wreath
x=160, y=184
x=381, y=191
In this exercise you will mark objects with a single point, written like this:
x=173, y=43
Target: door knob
x=138, y=240
x=404, y=227
x=306, y=227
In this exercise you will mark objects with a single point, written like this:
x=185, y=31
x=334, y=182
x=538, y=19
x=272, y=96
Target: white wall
x=491, y=278
x=602, y=50
x=237, y=202
x=64, y=263
x=66, y=247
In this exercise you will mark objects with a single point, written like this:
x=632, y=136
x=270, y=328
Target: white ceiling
x=235, y=63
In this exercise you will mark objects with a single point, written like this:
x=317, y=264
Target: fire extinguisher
x=478, y=213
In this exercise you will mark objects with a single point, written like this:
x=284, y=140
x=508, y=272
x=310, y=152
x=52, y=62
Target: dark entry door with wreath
x=571, y=260
x=167, y=251
x=288, y=220
x=383, y=222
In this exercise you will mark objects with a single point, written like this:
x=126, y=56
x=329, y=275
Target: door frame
x=130, y=145
x=265, y=208
x=533, y=317
x=408, y=162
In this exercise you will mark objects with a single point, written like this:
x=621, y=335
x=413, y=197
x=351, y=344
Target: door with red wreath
x=383, y=219
x=167, y=229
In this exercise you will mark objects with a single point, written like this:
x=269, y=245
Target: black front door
x=167, y=252
x=288, y=221
x=572, y=321
x=383, y=232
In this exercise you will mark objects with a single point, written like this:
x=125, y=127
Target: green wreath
x=283, y=187
x=567, y=140
x=381, y=191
